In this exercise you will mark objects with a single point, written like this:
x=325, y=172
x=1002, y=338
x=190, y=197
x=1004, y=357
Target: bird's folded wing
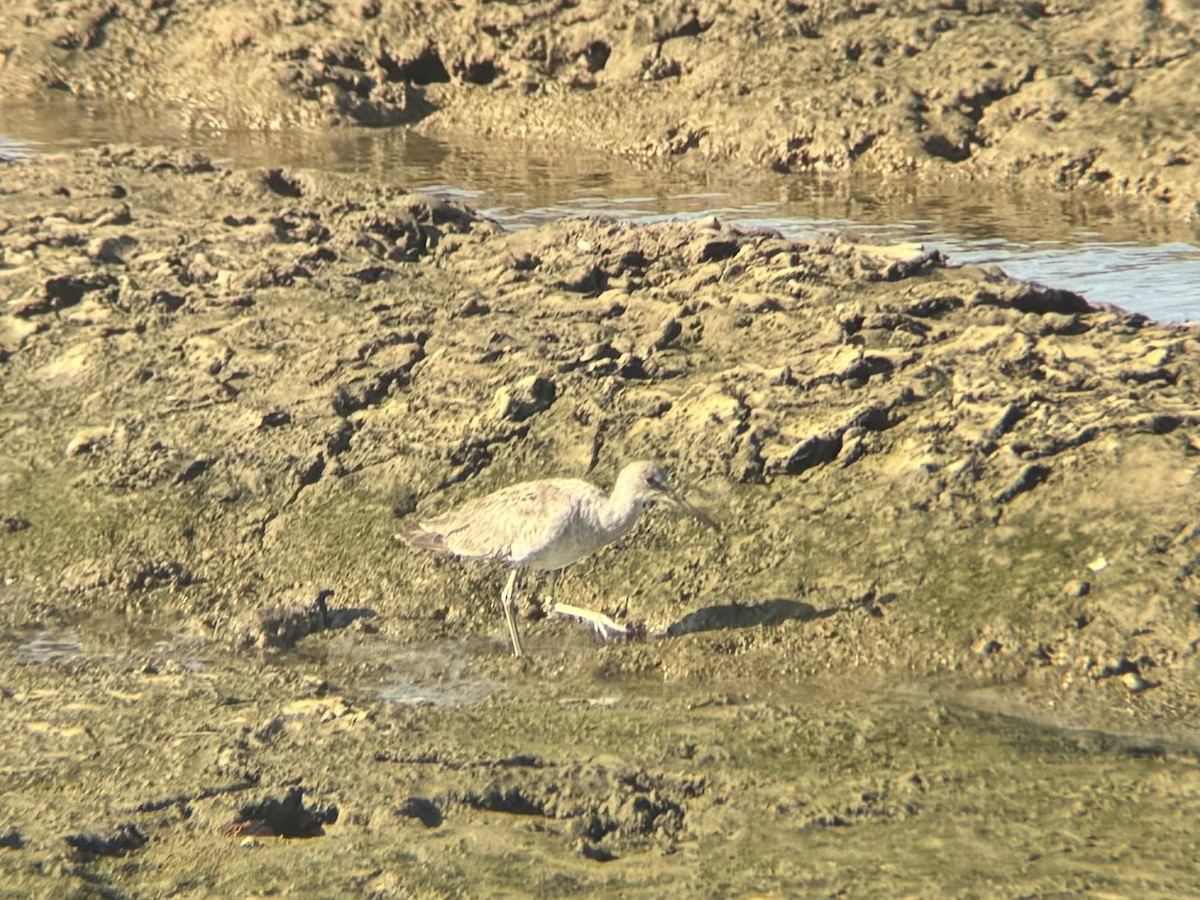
x=490, y=527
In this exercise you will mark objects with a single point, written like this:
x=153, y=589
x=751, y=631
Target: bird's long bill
x=673, y=499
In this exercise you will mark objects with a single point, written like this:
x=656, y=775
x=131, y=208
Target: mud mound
x=1085, y=98
x=1004, y=470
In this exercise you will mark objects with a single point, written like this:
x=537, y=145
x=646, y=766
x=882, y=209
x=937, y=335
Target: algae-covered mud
x=945, y=640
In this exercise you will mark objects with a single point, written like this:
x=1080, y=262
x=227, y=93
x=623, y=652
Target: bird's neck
x=618, y=512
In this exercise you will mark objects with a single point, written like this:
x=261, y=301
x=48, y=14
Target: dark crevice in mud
x=91, y=36
x=195, y=469
x=597, y=854
x=126, y=839
x=1143, y=377
x=473, y=456
x=940, y=146
x=480, y=72
x=421, y=68
x=859, y=370
x=1028, y=479
x=393, y=359
x=820, y=449
x=718, y=250
x=1013, y=413
x=862, y=146
x=185, y=800
x=1033, y=298
x=596, y=55
x=423, y=810
x=747, y=615
x=512, y=800
x=281, y=625
x=598, y=801
x=815, y=451
x=628, y=804
x=683, y=23
x=276, y=180
x=976, y=103
x=518, y=761
x=1054, y=448
x=934, y=307
x=62, y=292
x=507, y=420
x=11, y=839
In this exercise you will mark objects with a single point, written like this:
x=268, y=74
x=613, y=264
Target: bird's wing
x=490, y=527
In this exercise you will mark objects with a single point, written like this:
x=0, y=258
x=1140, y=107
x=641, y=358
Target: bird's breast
x=578, y=536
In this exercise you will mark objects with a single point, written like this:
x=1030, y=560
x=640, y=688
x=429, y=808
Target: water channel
x=1144, y=266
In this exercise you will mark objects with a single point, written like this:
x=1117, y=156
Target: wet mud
x=1085, y=99
x=952, y=607
x=946, y=642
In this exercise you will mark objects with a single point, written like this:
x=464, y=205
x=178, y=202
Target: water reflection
x=52, y=645
x=1144, y=266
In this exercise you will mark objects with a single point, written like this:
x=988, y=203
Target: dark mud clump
x=126, y=839
x=282, y=817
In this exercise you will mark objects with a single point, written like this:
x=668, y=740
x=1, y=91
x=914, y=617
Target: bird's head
x=648, y=483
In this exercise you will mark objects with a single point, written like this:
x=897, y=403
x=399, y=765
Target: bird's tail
x=423, y=539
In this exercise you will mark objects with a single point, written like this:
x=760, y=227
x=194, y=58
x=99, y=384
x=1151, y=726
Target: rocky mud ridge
x=222, y=393
x=1096, y=99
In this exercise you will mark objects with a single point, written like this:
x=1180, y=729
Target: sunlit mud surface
x=279, y=279
x=468, y=773
x=944, y=642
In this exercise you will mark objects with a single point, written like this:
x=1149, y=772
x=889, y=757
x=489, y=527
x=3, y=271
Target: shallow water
x=441, y=673
x=98, y=639
x=51, y=645
x=780, y=787
x=1149, y=268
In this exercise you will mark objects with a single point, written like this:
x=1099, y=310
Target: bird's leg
x=508, y=602
x=606, y=627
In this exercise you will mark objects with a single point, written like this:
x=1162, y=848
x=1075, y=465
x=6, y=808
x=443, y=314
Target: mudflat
x=945, y=642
